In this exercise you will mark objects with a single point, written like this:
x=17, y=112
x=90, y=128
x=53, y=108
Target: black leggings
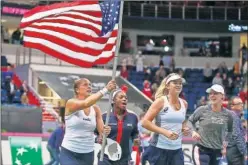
x=206, y=156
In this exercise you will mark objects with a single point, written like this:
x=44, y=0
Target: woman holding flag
x=82, y=116
x=123, y=125
x=169, y=111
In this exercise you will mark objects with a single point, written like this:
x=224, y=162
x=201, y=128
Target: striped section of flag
x=73, y=32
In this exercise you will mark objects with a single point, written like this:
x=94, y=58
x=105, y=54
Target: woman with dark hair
x=82, y=116
x=169, y=112
x=214, y=128
x=123, y=125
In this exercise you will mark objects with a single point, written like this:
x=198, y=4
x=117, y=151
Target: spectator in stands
x=230, y=86
x=24, y=87
x=217, y=79
x=145, y=137
x=54, y=144
x=130, y=63
x=237, y=83
x=202, y=101
x=82, y=117
x=202, y=51
x=11, y=90
x=124, y=62
x=161, y=62
x=147, y=89
x=236, y=150
x=208, y=73
x=181, y=73
x=167, y=60
x=245, y=68
x=160, y=74
x=154, y=88
x=225, y=81
x=16, y=36
x=148, y=75
x=124, y=72
x=236, y=69
x=222, y=68
x=172, y=65
x=24, y=98
x=140, y=62
x=5, y=35
x=166, y=143
x=243, y=94
x=212, y=48
x=244, y=53
x=149, y=46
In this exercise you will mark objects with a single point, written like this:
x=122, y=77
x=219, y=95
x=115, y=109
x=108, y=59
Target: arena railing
x=185, y=12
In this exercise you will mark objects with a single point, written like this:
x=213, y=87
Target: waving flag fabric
x=82, y=33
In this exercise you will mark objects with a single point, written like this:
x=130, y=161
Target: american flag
x=83, y=33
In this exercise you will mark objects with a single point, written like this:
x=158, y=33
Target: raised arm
x=74, y=105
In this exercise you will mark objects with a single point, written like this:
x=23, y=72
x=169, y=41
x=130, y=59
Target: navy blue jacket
x=123, y=131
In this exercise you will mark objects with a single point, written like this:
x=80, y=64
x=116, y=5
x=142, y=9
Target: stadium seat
x=4, y=97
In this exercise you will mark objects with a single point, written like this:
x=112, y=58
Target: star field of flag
x=110, y=12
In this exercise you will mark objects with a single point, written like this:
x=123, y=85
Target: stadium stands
x=7, y=75
x=193, y=89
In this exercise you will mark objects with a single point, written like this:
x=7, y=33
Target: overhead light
x=3, y=20
x=166, y=48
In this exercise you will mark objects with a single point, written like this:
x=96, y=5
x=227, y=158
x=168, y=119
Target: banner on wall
x=26, y=150
x=13, y=9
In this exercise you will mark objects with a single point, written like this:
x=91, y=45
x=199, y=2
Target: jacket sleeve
x=237, y=135
x=195, y=117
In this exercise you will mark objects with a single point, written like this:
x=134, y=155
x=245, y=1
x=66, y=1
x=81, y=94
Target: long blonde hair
x=162, y=89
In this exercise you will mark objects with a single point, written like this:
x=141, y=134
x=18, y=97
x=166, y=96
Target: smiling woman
x=169, y=111
x=82, y=116
x=211, y=134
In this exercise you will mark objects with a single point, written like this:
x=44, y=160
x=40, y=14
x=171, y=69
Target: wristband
x=104, y=91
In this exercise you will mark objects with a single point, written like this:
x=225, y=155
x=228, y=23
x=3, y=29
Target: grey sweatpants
x=234, y=157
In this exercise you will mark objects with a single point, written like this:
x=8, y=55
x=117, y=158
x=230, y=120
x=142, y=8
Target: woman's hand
x=171, y=135
x=106, y=130
x=111, y=85
x=196, y=136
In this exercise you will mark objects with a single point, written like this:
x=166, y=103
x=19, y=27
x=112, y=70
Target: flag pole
x=115, y=63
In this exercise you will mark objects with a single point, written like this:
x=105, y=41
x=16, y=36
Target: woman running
x=123, y=125
x=82, y=116
x=211, y=134
x=169, y=111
